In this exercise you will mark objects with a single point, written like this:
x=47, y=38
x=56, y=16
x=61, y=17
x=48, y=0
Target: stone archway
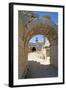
x=36, y=26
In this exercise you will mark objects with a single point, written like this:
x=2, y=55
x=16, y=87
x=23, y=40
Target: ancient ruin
x=28, y=26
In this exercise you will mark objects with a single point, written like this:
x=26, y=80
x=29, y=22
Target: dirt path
x=38, y=68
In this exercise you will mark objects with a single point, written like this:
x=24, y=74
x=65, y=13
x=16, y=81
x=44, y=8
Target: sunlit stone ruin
x=37, y=60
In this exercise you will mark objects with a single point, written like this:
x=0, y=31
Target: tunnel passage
x=26, y=32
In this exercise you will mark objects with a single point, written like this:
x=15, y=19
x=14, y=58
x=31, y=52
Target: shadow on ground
x=36, y=70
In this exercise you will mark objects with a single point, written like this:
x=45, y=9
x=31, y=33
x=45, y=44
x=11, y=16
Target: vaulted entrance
x=29, y=28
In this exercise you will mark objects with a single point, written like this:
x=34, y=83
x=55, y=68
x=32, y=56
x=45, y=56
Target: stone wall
x=22, y=50
x=54, y=54
x=22, y=60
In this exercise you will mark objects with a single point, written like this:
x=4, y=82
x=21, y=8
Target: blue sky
x=54, y=18
x=40, y=38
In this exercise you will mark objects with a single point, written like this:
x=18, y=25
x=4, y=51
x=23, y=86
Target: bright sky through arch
x=40, y=38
